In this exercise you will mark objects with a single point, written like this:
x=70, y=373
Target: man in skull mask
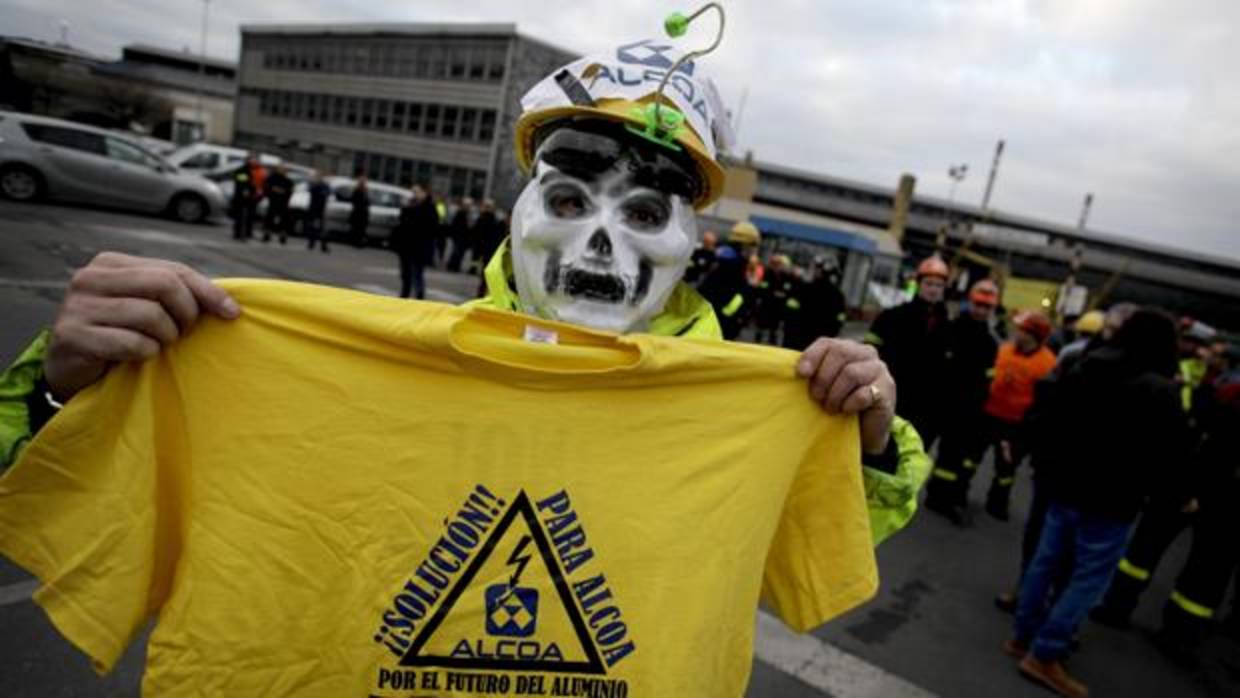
x=601, y=236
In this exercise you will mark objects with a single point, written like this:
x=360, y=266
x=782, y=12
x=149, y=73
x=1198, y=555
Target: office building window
x=496, y=58
x=404, y=60
x=312, y=107
x=368, y=113
x=486, y=130
x=361, y=54
x=337, y=110
x=381, y=113
x=421, y=61
x=469, y=124
x=375, y=66
x=359, y=164
x=350, y=116
x=329, y=57
x=423, y=176
x=441, y=179
x=458, y=57
x=374, y=166
x=388, y=51
x=415, y=119
x=477, y=183
x=316, y=56
x=438, y=63
x=447, y=128
x=398, y=116
x=460, y=177
x=477, y=62
x=430, y=125
x=406, y=173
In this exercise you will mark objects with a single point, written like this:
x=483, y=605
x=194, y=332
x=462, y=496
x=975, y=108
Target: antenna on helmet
x=664, y=123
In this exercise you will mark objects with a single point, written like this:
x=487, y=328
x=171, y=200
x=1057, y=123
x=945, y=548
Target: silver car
x=43, y=157
x=385, y=204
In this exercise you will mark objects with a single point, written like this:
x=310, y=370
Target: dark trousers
x=313, y=227
x=1087, y=545
x=412, y=276
x=960, y=451
x=243, y=219
x=926, y=423
x=458, y=253
x=1202, y=584
x=277, y=220
x=1007, y=459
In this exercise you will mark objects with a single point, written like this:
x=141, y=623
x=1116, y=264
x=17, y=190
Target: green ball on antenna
x=676, y=24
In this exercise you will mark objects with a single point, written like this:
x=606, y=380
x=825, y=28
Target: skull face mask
x=603, y=231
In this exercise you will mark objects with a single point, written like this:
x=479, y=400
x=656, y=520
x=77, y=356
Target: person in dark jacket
x=458, y=232
x=414, y=241
x=247, y=190
x=912, y=339
x=487, y=233
x=774, y=290
x=1120, y=435
x=702, y=258
x=359, y=215
x=316, y=212
x=727, y=290
x=278, y=189
x=820, y=310
x=972, y=347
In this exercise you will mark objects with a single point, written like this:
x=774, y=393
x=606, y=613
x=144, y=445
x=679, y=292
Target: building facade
x=402, y=103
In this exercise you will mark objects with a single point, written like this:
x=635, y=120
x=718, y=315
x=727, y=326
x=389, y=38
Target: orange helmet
x=984, y=292
x=1035, y=323
x=932, y=266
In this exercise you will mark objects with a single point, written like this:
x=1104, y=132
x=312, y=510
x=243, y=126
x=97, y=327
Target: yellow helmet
x=745, y=233
x=1091, y=322
x=622, y=87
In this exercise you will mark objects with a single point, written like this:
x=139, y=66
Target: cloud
x=1133, y=100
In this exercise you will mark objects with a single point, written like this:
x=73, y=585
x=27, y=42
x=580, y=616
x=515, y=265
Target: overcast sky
x=1135, y=100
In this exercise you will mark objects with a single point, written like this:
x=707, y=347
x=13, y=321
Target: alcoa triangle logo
x=509, y=599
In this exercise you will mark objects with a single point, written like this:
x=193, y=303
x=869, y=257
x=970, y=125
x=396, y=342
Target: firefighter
x=912, y=339
x=817, y=307
x=1019, y=365
x=972, y=349
x=774, y=292
x=1213, y=516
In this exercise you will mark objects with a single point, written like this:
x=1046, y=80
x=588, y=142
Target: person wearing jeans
x=1120, y=440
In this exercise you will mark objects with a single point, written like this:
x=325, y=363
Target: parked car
x=385, y=204
x=57, y=159
x=209, y=160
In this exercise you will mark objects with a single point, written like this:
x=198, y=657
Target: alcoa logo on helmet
x=603, y=231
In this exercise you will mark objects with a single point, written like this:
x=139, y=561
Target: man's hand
x=847, y=377
x=123, y=308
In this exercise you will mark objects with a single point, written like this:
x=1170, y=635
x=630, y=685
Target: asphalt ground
x=932, y=630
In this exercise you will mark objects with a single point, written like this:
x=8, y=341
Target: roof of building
x=1000, y=217
x=192, y=59
x=48, y=47
x=428, y=29
x=175, y=78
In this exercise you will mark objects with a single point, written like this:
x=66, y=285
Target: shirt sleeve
x=92, y=508
x=16, y=385
x=821, y=561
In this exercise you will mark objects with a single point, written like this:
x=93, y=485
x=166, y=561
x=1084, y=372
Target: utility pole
x=1078, y=252
x=990, y=187
x=202, y=72
x=957, y=174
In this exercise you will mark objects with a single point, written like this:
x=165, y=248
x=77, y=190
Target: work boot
x=1053, y=676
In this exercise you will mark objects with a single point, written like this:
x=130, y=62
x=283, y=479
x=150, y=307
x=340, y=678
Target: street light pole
x=957, y=174
x=202, y=73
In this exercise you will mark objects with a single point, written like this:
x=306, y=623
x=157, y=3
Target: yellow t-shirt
x=343, y=495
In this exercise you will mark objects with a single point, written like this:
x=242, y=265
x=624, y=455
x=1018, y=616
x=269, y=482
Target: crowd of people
x=1131, y=424
x=430, y=232
x=781, y=303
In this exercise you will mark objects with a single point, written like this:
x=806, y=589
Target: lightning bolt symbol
x=516, y=558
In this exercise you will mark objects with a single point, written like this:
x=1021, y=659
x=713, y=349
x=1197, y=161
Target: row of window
x=444, y=180
x=408, y=58
x=466, y=124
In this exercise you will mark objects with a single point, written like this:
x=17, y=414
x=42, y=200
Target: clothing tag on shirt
x=540, y=335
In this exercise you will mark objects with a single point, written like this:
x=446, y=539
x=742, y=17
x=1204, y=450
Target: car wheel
x=21, y=183
x=189, y=208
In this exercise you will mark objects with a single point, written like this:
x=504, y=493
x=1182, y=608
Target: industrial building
x=402, y=103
